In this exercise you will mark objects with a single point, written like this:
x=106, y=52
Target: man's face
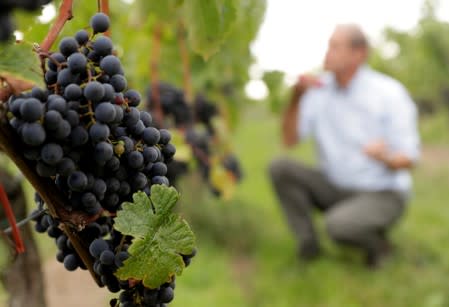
x=340, y=55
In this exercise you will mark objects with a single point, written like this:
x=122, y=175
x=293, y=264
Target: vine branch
x=48, y=191
x=65, y=13
x=158, y=115
x=186, y=73
x=103, y=6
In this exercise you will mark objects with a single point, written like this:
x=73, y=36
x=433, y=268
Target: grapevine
x=89, y=150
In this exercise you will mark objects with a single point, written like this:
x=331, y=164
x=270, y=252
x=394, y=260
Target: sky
x=294, y=34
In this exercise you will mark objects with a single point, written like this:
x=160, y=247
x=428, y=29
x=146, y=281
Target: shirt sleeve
x=402, y=124
x=306, y=116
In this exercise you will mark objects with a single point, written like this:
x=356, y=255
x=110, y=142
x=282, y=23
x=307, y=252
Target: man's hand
x=290, y=119
x=306, y=81
x=378, y=150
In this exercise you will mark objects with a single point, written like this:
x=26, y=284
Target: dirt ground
x=72, y=289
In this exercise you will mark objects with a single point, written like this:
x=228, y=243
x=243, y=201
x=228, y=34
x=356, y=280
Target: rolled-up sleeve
x=402, y=124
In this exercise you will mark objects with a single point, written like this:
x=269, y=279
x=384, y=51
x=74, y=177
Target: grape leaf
x=20, y=61
x=209, y=23
x=160, y=237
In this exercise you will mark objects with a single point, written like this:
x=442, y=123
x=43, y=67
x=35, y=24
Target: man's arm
x=393, y=160
x=290, y=118
x=402, y=134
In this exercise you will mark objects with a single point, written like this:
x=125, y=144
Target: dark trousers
x=359, y=218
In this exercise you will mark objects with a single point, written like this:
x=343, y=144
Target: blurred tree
x=421, y=59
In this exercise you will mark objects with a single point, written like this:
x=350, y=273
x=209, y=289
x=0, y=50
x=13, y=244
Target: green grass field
x=246, y=253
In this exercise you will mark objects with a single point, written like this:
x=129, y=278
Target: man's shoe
x=309, y=251
x=376, y=258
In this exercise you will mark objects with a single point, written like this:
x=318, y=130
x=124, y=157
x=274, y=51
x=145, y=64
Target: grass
x=246, y=252
x=256, y=264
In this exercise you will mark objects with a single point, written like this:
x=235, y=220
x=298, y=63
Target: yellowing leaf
x=183, y=150
x=221, y=179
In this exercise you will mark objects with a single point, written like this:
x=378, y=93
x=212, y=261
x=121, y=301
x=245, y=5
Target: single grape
x=150, y=154
x=102, y=46
x=51, y=153
x=68, y=45
x=72, y=92
x=77, y=62
x=97, y=247
x=135, y=159
x=100, y=22
x=151, y=136
x=31, y=110
x=103, y=152
x=77, y=181
x=71, y=262
x=146, y=118
x=33, y=134
x=99, y=132
x=110, y=64
x=107, y=257
x=94, y=91
x=57, y=103
x=105, y=112
x=82, y=36
x=165, y=136
x=118, y=82
x=66, y=166
x=38, y=93
x=108, y=92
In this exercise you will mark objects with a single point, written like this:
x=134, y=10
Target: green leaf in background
x=160, y=237
x=164, y=10
x=277, y=90
x=208, y=23
x=20, y=60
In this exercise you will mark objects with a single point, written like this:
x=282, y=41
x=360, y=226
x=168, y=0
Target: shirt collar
x=353, y=82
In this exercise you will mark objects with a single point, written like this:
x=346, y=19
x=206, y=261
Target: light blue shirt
x=343, y=120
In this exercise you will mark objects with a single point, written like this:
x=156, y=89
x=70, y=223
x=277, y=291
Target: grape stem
x=72, y=221
x=186, y=74
x=158, y=115
x=103, y=6
x=20, y=248
x=65, y=13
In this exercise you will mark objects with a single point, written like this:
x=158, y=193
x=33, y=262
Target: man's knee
x=278, y=169
x=339, y=228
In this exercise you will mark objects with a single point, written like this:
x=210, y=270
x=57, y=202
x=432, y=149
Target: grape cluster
x=85, y=132
x=197, y=123
x=6, y=8
x=204, y=112
x=173, y=104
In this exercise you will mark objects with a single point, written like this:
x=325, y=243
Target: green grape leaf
x=209, y=23
x=20, y=61
x=160, y=237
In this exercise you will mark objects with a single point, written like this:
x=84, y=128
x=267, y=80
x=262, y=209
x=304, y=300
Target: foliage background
x=246, y=253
